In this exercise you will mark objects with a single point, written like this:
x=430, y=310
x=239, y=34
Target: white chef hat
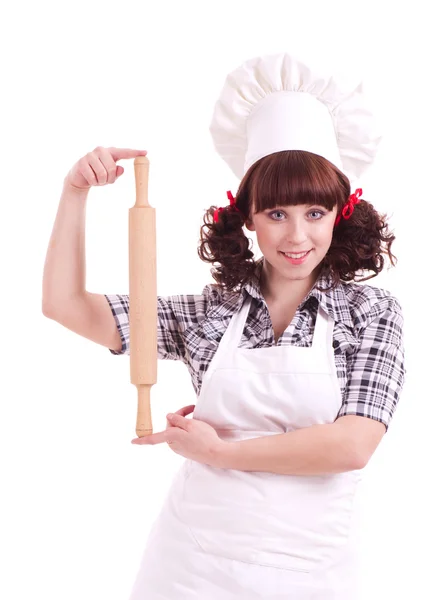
x=277, y=102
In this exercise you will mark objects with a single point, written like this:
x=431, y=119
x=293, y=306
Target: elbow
x=51, y=310
x=359, y=461
x=354, y=457
x=359, y=438
x=47, y=310
x=48, y=302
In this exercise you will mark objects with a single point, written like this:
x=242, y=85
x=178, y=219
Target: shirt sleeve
x=169, y=328
x=376, y=370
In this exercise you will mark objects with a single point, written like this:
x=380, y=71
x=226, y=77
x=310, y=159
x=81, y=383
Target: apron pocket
x=287, y=522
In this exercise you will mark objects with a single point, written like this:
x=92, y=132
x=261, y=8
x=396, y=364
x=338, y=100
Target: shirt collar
x=334, y=302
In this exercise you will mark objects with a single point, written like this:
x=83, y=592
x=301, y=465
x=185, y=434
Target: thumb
x=178, y=421
x=120, y=171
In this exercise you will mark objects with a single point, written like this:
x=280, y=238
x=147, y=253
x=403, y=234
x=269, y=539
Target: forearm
x=315, y=450
x=64, y=275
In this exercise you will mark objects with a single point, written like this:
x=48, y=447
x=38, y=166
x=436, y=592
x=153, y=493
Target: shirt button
x=335, y=344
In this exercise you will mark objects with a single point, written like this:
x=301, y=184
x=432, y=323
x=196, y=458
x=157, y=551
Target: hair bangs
x=294, y=177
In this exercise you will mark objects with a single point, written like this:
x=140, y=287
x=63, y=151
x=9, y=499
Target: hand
x=190, y=438
x=99, y=167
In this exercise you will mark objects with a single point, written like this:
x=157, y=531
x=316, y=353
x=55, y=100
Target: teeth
x=300, y=255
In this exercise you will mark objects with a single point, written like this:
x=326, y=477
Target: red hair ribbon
x=232, y=203
x=348, y=209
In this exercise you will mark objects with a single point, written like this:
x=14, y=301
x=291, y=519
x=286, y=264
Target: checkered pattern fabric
x=367, y=337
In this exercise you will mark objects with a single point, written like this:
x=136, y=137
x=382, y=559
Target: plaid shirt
x=367, y=337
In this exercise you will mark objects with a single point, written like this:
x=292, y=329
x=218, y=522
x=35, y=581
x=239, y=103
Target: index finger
x=152, y=439
x=119, y=153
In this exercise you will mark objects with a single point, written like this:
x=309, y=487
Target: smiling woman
x=297, y=368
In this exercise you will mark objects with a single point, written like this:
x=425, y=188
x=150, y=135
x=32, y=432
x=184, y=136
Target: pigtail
x=224, y=242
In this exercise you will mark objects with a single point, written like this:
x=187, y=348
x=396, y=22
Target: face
x=303, y=231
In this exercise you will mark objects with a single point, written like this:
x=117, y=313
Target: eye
x=275, y=212
x=319, y=214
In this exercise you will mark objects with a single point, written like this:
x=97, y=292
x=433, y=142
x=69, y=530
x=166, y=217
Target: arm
x=64, y=272
x=320, y=449
x=64, y=297
x=102, y=318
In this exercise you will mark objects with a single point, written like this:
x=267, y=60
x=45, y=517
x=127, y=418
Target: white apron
x=226, y=534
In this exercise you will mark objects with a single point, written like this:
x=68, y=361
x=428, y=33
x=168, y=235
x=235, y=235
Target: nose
x=296, y=234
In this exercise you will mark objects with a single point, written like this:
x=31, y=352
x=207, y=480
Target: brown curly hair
x=293, y=177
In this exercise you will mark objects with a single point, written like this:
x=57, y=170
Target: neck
x=277, y=289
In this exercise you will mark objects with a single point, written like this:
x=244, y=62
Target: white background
x=77, y=499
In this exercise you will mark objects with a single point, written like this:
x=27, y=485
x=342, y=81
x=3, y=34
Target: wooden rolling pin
x=142, y=297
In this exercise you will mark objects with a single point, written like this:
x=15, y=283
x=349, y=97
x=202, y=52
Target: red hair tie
x=348, y=209
x=232, y=203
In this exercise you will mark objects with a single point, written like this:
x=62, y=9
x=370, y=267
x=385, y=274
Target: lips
x=296, y=254
x=298, y=260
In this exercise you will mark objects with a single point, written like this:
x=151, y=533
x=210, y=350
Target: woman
x=297, y=368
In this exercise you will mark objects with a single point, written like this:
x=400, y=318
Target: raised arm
x=64, y=295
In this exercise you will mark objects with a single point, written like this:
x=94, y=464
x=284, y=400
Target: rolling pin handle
x=144, y=416
x=141, y=167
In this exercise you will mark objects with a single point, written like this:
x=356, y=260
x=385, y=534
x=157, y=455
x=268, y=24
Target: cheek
x=267, y=235
x=322, y=236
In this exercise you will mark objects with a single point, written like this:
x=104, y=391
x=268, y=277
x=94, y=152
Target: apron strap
x=237, y=324
x=230, y=339
x=323, y=329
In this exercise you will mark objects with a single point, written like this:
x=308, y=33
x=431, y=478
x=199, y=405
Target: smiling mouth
x=296, y=259
x=296, y=255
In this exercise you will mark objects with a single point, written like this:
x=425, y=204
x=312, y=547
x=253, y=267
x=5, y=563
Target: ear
x=249, y=225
